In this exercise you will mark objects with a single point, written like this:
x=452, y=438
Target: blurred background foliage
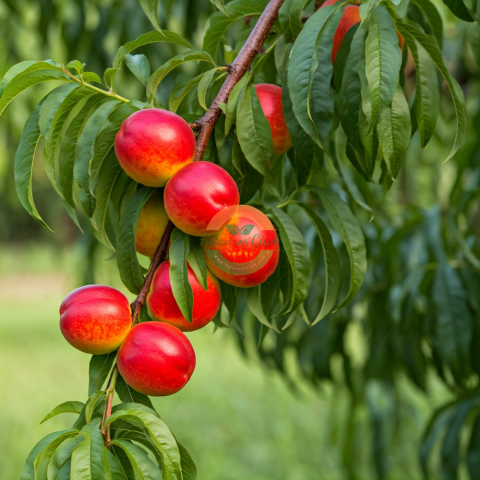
x=367, y=393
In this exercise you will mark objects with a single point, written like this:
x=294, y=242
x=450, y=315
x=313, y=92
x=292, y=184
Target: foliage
x=421, y=286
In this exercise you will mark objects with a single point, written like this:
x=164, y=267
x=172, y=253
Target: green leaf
x=290, y=18
x=220, y=5
x=23, y=165
x=65, y=407
x=150, y=7
x=128, y=395
x=28, y=471
x=427, y=93
x=412, y=32
x=473, y=457
x=383, y=61
x=161, y=73
x=474, y=39
x=394, y=129
x=218, y=23
x=76, y=65
x=180, y=91
x=62, y=455
x=236, y=97
x=298, y=256
x=254, y=133
x=309, y=74
x=144, y=468
x=205, y=81
x=182, y=291
x=454, y=325
x=332, y=264
x=160, y=435
x=86, y=141
x=92, y=403
x=189, y=469
x=349, y=229
x=458, y=8
x=342, y=57
x=146, y=38
x=114, y=468
x=196, y=260
x=254, y=302
x=109, y=77
x=127, y=261
x=139, y=66
x=433, y=23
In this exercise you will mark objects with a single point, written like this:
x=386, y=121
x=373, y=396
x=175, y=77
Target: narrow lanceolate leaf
x=220, y=5
x=23, y=164
x=189, y=469
x=473, y=458
x=150, y=7
x=349, y=229
x=218, y=23
x=454, y=327
x=146, y=38
x=254, y=302
x=310, y=71
x=412, y=32
x=234, y=99
x=298, y=256
x=459, y=9
x=161, y=73
x=62, y=455
x=86, y=141
x=114, y=468
x=128, y=266
x=290, y=17
x=143, y=466
x=196, y=260
x=100, y=366
x=28, y=471
x=432, y=17
x=383, y=61
x=394, y=129
x=139, y=66
x=92, y=403
x=332, y=264
x=203, y=86
x=160, y=435
x=182, y=291
x=427, y=93
x=254, y=133
x=66, y=407
x=180, y=91
x=128, y=395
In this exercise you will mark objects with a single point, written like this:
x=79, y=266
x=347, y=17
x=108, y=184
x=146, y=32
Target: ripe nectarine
x=95, y=319
x=156, y=359
x=153, y=144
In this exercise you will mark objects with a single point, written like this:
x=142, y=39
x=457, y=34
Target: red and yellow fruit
x=246, y=250
x=153, y=144
x=95, y=319
x=198, y=192
x=152, y=222
x=156, y=359
x=270, y=97
x=162, y=305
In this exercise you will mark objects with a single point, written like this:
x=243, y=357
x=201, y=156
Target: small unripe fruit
x=198, y=192
x=162, y=305
x=153, y=144
x=152, y=222
x=156, y=359
x=95, y=319
x=270, y=97
x=246, y=250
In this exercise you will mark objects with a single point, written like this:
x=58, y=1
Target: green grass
x=239, y=420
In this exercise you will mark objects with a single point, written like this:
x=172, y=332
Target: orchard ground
x=237, y=419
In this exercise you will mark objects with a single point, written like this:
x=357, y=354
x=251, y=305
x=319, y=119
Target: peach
x=270, y=97
x=95, y=319
x=153, y=144
x=162, y=305
x=198, y=192
x=246, y=250
x=152, y=222
x=156, y=359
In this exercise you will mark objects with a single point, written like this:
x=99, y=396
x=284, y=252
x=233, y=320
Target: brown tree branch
x=205, y=126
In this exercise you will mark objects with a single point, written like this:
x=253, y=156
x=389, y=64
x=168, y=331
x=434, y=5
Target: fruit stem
x=105, y=431
x=99, y=90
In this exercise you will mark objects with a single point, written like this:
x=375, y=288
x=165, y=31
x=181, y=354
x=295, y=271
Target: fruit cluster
x=157, y=148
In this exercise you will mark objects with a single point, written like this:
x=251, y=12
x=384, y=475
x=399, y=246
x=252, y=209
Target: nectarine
x=151, y=225
x=153, y=144
x=270, y=97
x=246, y=250
x=156, y=359
x=162, y=305
x=196, y=193
x=95, y=319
